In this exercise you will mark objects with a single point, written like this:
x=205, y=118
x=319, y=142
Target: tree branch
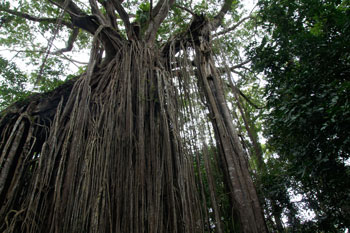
x=124, y=16
x=240, y=65
x=150, y=9
x=71, y=7
x=156, y=9
x=36, y=19
x=185, y=39
x=72, y=38
x=110, y=9
x=96, y=11
x=94, y=7
x=22, y=51
x=74, y=61
x=237, y=90
x=234, y=27
x=41, y=52
x=185, y=9
x=159, y=16
x=220, y=16
x=79, y=18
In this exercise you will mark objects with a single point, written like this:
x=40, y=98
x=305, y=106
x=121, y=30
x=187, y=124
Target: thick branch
x=156, y=9
x=71, y=7
x=110, y=9
x=124, y=16
x=150, y=8
x=94, y=7
x=159, y=16
x=220, y=16
x=36, y=19
x=96, y=12
x=79, y=17
x=45, y=103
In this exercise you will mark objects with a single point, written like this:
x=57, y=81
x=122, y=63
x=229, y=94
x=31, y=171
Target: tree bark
x=244, y=195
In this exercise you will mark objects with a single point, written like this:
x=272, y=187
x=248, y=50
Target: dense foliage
x=305, y=57
x=12, y=83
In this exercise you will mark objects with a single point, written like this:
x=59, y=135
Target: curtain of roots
x=130, y=150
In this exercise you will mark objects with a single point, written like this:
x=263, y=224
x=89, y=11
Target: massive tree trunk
x=106, y=152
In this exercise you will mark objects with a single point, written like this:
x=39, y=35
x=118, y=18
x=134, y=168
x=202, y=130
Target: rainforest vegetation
x=174, y=116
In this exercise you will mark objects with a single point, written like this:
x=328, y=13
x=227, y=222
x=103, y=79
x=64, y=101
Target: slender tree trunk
x=244, y=195
x=258, y=153
x=261, y=168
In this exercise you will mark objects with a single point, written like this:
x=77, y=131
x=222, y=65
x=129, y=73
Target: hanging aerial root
x=113, y=161
x=24, y=126
x=127, y=152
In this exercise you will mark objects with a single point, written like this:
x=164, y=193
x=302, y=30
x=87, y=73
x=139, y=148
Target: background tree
x=305, y=59
x=12, y=84
x=115, y=148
